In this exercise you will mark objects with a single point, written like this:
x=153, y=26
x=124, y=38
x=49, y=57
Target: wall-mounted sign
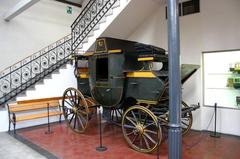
x=69, y=10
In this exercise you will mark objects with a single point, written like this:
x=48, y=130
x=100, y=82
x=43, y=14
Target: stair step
x=91, y=34
x=117, y=4
x=97, y=26
x=103, y=20
x=85, y=40
x=110, y=12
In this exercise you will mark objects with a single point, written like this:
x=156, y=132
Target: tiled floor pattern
x=66, y=144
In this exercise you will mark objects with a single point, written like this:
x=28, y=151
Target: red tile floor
x=66, y=144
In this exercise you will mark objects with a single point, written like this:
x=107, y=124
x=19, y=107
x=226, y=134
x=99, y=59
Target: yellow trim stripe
x=140, y=74
x=88, y=54
x=146, y=101
x=145, y=59
x=114, y=51
x=83, y=75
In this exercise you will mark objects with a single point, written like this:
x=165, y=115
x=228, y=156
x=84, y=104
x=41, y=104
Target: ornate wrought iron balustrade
x=22, y=75
x=27, y=72
x=88, y=19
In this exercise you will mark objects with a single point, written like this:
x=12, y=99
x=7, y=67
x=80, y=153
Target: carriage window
x=102, y=69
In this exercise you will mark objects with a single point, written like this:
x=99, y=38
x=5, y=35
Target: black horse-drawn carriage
x=130, y=81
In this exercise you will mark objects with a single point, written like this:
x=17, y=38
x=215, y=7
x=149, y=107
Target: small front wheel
x=141, y=129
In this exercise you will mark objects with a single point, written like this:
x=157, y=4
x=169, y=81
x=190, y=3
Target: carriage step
x=191, y=108
x=161, y=73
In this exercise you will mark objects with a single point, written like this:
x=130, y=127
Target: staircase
x=85, y=29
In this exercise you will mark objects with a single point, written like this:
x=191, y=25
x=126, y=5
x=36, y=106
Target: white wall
x=39, y=26
x=216, y=27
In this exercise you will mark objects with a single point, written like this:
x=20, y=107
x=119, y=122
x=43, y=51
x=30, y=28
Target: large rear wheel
x=75, y=110
x=186, y=120
x=141, y=129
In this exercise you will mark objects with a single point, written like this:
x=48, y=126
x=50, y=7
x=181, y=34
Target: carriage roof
x=128, y=48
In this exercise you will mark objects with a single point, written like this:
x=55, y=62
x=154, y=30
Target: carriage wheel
x=140, y=129
x=186, y=120
x=75, y=110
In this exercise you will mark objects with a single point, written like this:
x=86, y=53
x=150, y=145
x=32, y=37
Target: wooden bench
x=33, y=109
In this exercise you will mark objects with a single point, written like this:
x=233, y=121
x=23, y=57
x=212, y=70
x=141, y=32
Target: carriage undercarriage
x=141, y=124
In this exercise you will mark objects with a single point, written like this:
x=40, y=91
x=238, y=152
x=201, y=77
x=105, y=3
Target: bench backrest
x=33, y=105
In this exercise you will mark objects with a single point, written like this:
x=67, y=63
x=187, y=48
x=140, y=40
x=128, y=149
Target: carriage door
x=106, y=78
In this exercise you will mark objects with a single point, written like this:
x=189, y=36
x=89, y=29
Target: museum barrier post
x=158, y=148
x=215, y=134
x=100, y=148
x=49, y=130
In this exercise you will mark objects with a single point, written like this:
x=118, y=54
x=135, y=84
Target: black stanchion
x=215, y=134
x=49, y=130
x=100, y=148
x=158, y=147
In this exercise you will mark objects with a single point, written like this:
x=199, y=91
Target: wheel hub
x=74, y=109
x=140, y=129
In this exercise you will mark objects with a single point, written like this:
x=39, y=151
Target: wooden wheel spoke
x=73, y=98
x=130, y=133
x=69, y=113
x=149, y=125
x=129, y=119
x=129, y=126
x=72, y=103
x=75, y=95
x=146, y=142
x=135, y=137
x=150, y=131
x=134, y=116
x=149, y=137
x=68, y=103
x=141, y=142
x=185, y=124
x=116, y=114
x=75, y=121
x=80, y=122
x=145, y=119
x=187, y=119
x=71, y=119
x=82, y=112
x=80, y=115
x=139, y=115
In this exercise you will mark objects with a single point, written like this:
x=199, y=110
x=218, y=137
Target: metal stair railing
x=25, y=73
x=88, y=19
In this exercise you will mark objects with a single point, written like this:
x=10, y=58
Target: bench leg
x=60, y=118
x=9, y=126
x=14, y=128
x=14, y=123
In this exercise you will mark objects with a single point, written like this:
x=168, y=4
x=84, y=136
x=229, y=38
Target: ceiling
x=76, y=1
